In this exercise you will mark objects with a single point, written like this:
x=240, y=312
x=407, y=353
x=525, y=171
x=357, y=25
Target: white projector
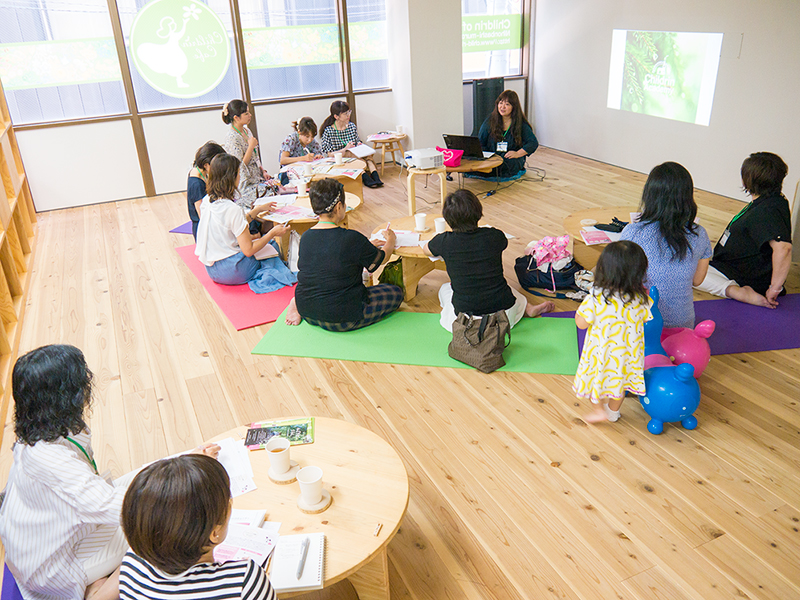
x=424, y=158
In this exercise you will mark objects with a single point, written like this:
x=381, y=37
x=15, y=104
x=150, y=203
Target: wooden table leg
x=383, y=158
x=372, y=580
x=443, y=185
x=412, y=195
x=414, y=269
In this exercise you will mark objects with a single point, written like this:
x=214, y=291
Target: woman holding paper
x=330, y=288
x=508, y=133
x=230, y=253
x=339, y=134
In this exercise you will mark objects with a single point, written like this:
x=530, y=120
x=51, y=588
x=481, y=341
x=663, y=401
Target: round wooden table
x=369, y=486
x=354, y=186
x=585, y=255
x=389, y=145
x=302, y=225
x=469, y=165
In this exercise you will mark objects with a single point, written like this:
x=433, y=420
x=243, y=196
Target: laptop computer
x=469, y=144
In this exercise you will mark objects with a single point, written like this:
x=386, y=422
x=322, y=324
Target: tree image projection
x=664, y=74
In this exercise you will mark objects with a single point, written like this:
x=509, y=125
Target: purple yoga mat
x=185, y=228
x=740, y=327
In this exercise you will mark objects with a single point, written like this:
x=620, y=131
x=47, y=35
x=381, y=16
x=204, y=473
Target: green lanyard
x=86, y=454
x=505, y=133
x=741, y=212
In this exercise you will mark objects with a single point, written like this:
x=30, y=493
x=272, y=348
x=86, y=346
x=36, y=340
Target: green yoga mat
x=408, y=338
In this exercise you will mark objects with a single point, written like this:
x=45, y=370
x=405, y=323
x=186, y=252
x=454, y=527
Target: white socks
x=613, y=415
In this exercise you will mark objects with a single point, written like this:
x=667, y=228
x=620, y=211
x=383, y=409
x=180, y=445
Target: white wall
x=755, y=104
x=81, y=164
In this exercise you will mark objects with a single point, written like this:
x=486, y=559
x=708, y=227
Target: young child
x=174, y=514
x=612, y=361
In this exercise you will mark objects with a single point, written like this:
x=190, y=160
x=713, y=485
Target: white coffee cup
x=338, y=158
x=419, y=221
x=278, y=451
x=440, y=224
x=308, y=170
x=399, y=129
x=310, y=480
x=301, y=187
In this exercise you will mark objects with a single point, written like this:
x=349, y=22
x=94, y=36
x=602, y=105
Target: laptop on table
x=469, y=144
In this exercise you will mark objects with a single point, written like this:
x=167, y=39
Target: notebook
x=362, y=151
x=283, y=570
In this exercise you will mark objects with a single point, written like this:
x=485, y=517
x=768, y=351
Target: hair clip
x=225, y=109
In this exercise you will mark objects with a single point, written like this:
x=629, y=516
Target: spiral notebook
x=286, y=557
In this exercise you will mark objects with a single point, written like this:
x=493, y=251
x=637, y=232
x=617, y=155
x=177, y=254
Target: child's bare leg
x=292, y=316
x=106, y=588
x=534, y=310
x=747, y=295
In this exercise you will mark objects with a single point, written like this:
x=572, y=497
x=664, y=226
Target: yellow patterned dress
x=612, y=360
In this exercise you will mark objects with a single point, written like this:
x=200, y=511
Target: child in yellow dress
x=612, y=361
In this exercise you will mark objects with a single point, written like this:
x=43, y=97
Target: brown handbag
x=479, y=341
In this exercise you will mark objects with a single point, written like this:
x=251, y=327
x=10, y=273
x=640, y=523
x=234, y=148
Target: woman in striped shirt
x=339, y=134
x=172, y=551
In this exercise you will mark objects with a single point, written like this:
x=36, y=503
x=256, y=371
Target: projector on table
x=424, y=158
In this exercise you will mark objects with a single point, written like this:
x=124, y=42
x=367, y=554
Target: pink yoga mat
x=241, y=305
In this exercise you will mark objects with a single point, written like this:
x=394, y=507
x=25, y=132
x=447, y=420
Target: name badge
x=502, y=146
x=724, y=237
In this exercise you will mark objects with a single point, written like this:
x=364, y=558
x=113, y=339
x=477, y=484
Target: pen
x=387, y=225
x=304, y=552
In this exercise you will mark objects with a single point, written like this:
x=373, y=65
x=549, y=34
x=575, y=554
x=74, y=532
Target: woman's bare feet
x=292, y=316
x=748, y=295
x=534, y=310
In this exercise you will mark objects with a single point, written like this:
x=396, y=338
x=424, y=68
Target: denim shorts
x=234, y=270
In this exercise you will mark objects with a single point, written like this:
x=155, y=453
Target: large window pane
x=291, y=47
x=51, y=69
x=369, y=53
x=181, y=52
x=491, y=37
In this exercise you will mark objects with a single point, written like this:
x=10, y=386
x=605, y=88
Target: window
x=291, y=48
x=491, y=38
x=40, y=85
x=369, y=53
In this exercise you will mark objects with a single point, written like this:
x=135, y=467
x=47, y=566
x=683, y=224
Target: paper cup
x=440, y=224
x=419, y=221
x=338, y=158
x=278, y=451
x=308, y=170
x=310, y=480
x=301, y=188
x=399, y=129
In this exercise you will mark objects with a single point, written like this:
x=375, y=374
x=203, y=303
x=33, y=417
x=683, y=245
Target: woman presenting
x=339, y=134
x=331, y=261
x=508, y=133
x=677, y=248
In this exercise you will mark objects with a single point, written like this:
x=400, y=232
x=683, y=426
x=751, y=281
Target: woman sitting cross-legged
x=225, y=245
x=198, y=176
x=474, y=259
x=507, y=132
x=330, y=291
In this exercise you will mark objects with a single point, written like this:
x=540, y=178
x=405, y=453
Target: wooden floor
x=512, y=494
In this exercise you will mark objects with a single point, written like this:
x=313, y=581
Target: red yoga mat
x=243, y=307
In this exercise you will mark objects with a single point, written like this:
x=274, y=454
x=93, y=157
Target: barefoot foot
x=534, y=310
x=292, y=316
x=749, y=295
x=597, y=416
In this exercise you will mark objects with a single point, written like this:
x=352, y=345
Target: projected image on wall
x=664, y=74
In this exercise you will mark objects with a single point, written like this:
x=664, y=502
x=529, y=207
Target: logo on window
x=180, y=47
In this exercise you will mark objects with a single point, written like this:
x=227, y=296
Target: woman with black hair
x=339, y=134
x=60, y=519
x=677, y=248
x=198, y=177
x=507, y=132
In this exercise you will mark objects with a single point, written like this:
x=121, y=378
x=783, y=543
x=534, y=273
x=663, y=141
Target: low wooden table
x=585, y=255
x=469, y=165
x=369, y=486
x=354, y=186
x=302, y=225
x=389, y=145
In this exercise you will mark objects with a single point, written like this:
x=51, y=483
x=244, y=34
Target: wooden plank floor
x=513, y=496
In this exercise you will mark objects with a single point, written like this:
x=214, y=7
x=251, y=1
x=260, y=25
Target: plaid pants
x=383, y=300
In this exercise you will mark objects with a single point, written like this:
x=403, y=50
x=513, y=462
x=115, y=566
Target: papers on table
x=339, y=172
x=362, y=151
x=284, y=214
x=592, y=236
x=404, y=237
x=488, y=154
x=250, y=518
x=246, y=541
x=378, y=137
x=281, y=200
x=236, y=460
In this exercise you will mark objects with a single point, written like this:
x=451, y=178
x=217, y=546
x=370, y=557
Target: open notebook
x=283, y=571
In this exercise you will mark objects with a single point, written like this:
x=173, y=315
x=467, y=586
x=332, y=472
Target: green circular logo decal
x=180, y=47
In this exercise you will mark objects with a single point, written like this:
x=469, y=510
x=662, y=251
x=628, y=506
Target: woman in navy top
x=508, y=133
x=198, y=176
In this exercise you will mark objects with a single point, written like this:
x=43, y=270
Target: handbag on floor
x=547, y=264
x=479, y=341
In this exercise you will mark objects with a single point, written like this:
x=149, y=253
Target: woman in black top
x=474, y=259
x=330, y=290
x=198, y=177
x=508, y=133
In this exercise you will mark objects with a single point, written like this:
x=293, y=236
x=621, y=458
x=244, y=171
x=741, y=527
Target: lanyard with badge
x=727, y=233
x=503, y=146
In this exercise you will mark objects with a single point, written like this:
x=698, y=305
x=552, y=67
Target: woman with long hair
x=677, y=248
x=198, y=177
x=507, y=132
x=339, y=134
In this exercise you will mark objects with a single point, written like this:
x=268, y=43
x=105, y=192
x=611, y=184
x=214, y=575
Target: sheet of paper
x=271, y=526
x=351, y=173
x=284, y=214
x=488, y=154
x=250, y=518
x=245, y=542
x=236, y=460
x=432, y=258
x=362, y=151
x=267, y=251
x=404, y=237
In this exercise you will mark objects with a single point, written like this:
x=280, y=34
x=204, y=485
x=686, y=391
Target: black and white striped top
x=139, y=580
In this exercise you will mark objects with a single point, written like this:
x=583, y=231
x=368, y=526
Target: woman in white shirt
x=60, y=519
x=224, y=242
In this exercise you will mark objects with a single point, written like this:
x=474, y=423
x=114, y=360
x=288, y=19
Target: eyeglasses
x=347, y=112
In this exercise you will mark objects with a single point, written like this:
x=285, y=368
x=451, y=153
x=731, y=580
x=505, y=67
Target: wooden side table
x=585, y=255
x=412, y=190
x=389, y=145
